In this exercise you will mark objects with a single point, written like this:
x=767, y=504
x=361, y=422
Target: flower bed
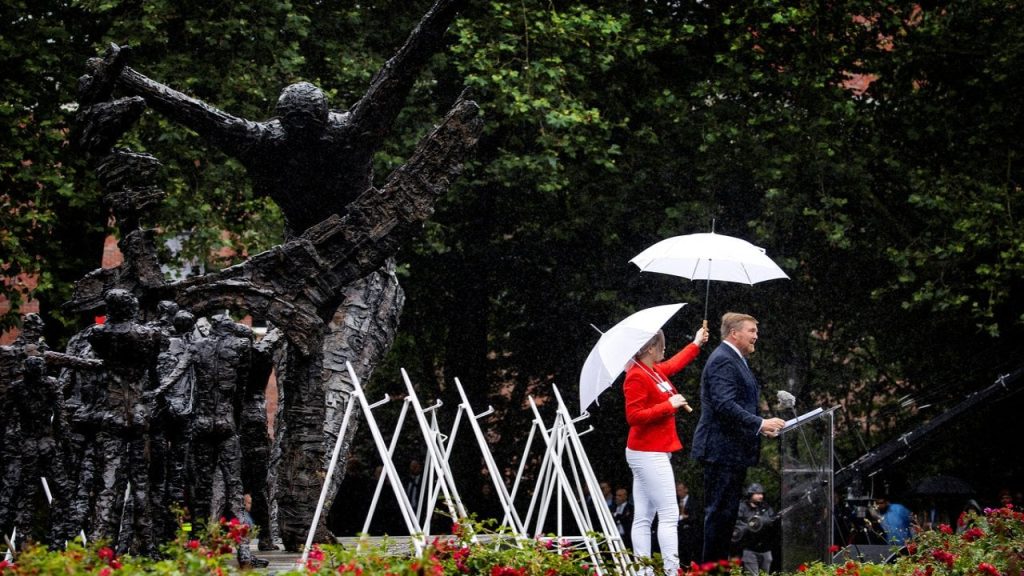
x=986, y=545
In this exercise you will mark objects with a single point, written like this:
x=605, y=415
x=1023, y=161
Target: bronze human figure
x=129, y=351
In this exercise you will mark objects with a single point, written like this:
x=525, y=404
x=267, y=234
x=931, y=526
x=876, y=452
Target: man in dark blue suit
x=727, y=439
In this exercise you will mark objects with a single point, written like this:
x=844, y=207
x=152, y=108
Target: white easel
x=565, y=476
x=563, y=452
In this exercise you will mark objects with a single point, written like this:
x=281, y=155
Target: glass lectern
x=806, y=445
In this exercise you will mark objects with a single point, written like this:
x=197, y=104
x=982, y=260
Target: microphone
x=786, y=400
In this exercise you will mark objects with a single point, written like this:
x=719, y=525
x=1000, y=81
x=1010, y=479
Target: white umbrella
x=617, y=346
x=709, y=256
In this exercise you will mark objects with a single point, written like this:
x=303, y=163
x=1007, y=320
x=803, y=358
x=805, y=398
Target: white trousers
x=654, y=492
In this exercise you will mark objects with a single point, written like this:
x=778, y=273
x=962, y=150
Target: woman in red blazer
x=651, y=405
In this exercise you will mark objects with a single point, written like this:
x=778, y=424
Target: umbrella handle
x=705, y=325
x=686, y=405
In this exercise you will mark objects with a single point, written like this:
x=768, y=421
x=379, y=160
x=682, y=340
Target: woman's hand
x=701, y=338
x=677, y=401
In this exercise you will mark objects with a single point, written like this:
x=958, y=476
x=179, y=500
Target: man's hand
x=770, y=426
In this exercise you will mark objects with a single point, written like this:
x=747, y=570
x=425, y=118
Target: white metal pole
x=391, y=452
x=511, y=516
x=415, y=532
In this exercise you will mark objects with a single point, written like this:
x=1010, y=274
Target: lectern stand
x=806, y=446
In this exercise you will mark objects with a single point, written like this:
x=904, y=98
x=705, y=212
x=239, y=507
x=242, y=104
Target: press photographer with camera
x=755, y=530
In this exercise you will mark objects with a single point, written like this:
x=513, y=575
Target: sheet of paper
x=801, y=418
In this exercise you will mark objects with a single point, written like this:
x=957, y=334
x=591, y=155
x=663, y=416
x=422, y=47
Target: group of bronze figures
x=135, y=421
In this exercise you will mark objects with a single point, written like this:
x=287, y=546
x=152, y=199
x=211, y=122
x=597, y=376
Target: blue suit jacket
x=727, y=432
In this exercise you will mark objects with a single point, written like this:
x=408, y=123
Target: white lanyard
x=662, y=385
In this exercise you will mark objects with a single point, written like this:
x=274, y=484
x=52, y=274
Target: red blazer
x=651, y=418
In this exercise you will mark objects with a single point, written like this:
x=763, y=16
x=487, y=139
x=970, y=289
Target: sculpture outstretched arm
x=376, y=110
x=232, y=135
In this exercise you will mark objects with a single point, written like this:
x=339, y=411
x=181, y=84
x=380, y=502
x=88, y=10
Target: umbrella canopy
x=614, y=349
x=709, y=256
x=943, y=486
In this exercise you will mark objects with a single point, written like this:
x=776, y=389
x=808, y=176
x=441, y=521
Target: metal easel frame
x=563, y=451
x=565, y=477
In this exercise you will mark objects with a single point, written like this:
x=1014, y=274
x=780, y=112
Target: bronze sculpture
x=328, y=271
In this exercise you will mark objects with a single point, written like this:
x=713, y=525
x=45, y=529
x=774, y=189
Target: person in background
x=622, y=512
x=755, y=522
x=246, y=559
x=965, y=520
x=1005, y=498
x=896, y=520
x=606, y=499
x=728, y=436
x=606, y=493
x=689, y=528
x=651, y=405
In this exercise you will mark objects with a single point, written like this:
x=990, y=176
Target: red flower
x=115, y=564
x=460, y=556
x=801, y=568
x=105, y=554
x=193, y=544
x=945, y=557
x=973, y=534
x=106, y=571
x=912, y=548
x=945, y=529
x=350, y=567
x=989, y=569
x=833, y=549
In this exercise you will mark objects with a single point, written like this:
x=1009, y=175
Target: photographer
x=755, y=529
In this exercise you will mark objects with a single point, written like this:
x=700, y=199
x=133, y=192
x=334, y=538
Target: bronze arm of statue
x=375, y=112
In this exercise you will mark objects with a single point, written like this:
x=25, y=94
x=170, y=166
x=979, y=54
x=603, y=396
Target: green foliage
x=36, y=172
x=209, y=550
x=609, y=125
x=985, y=545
